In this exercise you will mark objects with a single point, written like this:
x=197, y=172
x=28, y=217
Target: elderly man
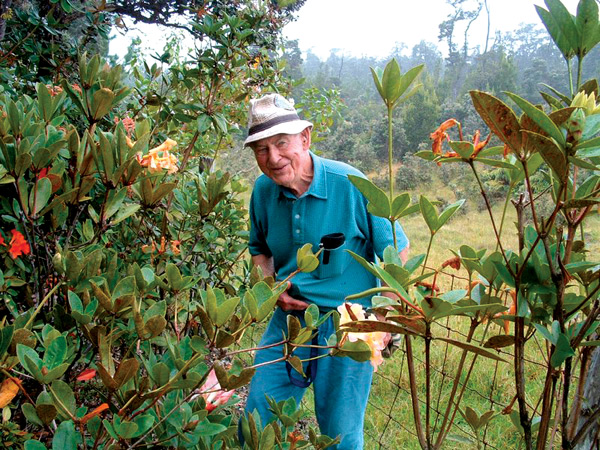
x=300, y=199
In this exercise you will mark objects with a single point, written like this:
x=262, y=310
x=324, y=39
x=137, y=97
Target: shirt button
x=297, y=216
x=297, y=230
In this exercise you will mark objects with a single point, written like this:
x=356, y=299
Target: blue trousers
x=341, y=385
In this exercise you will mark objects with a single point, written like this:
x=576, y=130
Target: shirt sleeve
x=257, y=244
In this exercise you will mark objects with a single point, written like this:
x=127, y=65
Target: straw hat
x=271, y=115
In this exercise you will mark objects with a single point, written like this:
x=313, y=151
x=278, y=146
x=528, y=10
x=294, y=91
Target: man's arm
x=285, y=301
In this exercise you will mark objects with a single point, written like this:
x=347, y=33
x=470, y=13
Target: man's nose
x=274, y=154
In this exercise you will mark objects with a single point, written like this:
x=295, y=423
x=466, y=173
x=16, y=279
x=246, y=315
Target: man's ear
x=305, y=136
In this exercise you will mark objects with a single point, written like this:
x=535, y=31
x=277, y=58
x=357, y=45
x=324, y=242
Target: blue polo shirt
x=281, y=223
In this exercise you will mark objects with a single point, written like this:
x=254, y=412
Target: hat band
x=271, y=123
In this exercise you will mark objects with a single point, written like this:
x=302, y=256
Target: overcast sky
x=373, y=27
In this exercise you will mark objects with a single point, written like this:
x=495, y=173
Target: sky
x=375, y=27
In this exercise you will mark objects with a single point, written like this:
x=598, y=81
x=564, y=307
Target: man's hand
x=289, y=303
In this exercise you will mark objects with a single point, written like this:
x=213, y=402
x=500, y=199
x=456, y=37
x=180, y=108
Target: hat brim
x=293, y=127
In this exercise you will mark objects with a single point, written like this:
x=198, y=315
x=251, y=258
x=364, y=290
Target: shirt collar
x=318, y=185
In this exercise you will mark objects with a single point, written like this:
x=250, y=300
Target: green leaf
x=540, y=118
x=55, y=353
x=39, y=195
x=305, y=259
x=6, y=335
x=226, y=310
x=562, y=351
x=125, y=212
x=429, y=214
x=390, y=82
x=400, y=203
x=65, y=437
x=206, y=428
x=464, y=149
x=559, y=23
x=377, y=74
x=472, y=348
x=379, y=203
x=587, y=25
x=34, y=445
x=449, y=212
x=125, y=286
x=553, y=156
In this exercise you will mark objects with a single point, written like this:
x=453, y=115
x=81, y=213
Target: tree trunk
x=4, y=7
x=590, y=402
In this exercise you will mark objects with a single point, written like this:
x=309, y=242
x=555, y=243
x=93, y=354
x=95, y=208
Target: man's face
x=284, y=158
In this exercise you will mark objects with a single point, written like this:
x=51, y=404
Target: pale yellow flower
x=375, y=340
x=586, y=102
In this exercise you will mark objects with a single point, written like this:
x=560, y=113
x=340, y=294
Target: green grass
x=390, y=404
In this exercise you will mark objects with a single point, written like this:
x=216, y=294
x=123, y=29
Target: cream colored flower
x=586, y=102
x=375, y=340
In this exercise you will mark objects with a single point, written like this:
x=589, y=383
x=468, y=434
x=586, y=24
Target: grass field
x=491, y=386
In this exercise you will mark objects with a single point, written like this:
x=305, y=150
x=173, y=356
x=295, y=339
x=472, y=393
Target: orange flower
x=175, y=247
x=18, y=245
x=103, y=407
x=160, y=158
x=76, y=88
x=54, y=90
x=440, y=135
x=479, y=145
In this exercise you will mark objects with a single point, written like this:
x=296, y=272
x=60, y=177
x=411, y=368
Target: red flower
x=2, y=240
x=18, y=245
x=43, y=173
x=86, y=375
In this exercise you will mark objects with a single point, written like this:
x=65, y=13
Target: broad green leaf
x=562, y=351
x=400, y=203
x=449, y=212
x=390, y=82
x=540, y=118
x=377, y=73
x=561, y=27
x=65, y=437
x=55, y=353
x=429, y=214
x=39, y=195
x=34, y=445
x=379, y=203
x=587, y=25
x=407, y=79
x=464, y=149
x=553, y=156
